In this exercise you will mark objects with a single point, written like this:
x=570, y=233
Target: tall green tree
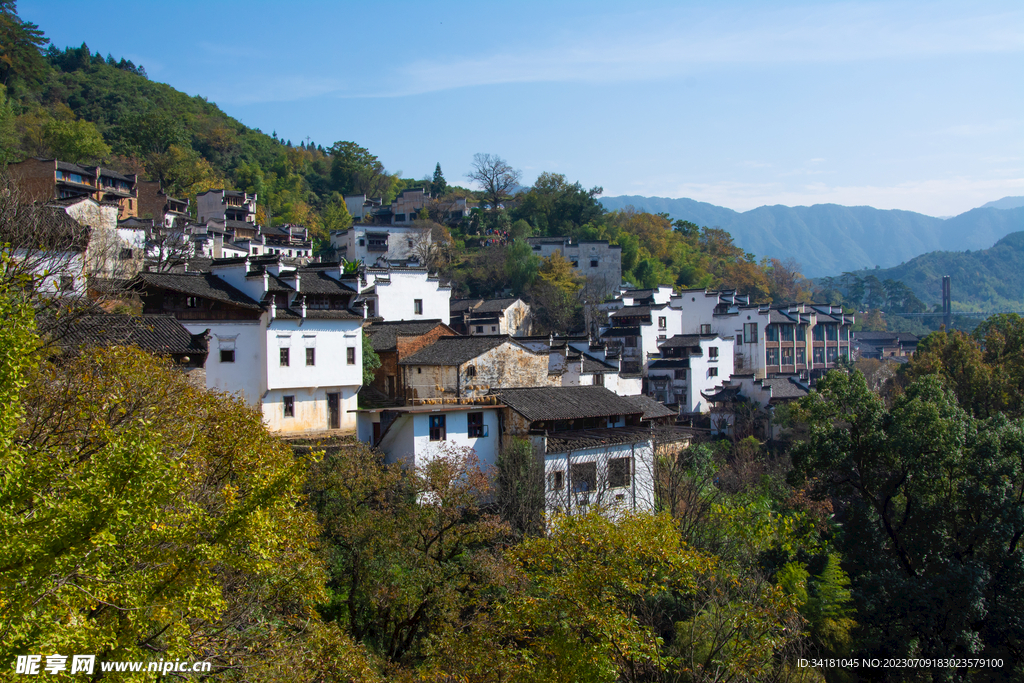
x=438, y=186
x=20, y=45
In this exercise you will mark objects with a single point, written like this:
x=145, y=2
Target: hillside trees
x=142, y=517
x=21, y=64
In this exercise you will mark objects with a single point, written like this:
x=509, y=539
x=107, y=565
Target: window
x=613, y=420
x=410, y=244
x=618, y=472
x=819, y=356
x=631, y=342
x=227, y=355
x=593, y=263
x=477, y=428
x=832, y=332
x=832, y=354
x=712, y=353
x=705, y=329
x=575, y=263
x=818, y=333
x=126, y=254
x=437, y=428
x=598, y=380
x=284, y=358
x=750, y=333
x=801, y=333
x=494, y=328
x=679, y=373
x=712, y=372
x=771, y=333
x=773, y=356
x=479, y=329
x=67, y=283
x=417, y=306
x=471, y=371
x=801, y=356
x=350, y=355
x=556, y=480
x=787, y=356
x=289, y=406
x=311, y=356
x=583, y=476
x=662, y=337
x=662, y=323
x=362, y=242
x=787, y=333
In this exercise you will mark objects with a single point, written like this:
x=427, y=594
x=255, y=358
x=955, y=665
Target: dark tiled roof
x=317, y=281
x=457, y=350
x=724, y=395
x=651, y=408
x=53, y=230
x=659, y=363
x=495, y=305
x=681, y=340
x=316, y=314
x=566, y=403
x=205, y=285
x=785, y=388
x=562, y=442
x=160, y=334
x=876, y=337
x=633, y=311
x=621, y=332
x=384, y=336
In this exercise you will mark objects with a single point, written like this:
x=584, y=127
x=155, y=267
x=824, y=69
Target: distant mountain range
x=987, y=280
x=828, y=239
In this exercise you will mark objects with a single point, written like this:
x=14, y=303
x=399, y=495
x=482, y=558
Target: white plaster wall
x=330, y=338
x=639, y=495
x=457, y=428
x=311, y=409
x=247, y=374
x=395, y=300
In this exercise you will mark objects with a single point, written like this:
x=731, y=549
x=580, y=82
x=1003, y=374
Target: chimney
x=302, y=307
x=273, y=307
x=297, y=281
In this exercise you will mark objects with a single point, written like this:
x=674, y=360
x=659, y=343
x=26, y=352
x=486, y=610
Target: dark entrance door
x=334, y=411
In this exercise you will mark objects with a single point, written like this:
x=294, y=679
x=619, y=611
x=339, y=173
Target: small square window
x=479, y=329
x=285, y=358
x=662, y=323
x=417, y=306
x=556, y=480
x=705, y=329
x=227, y=355
x=350, y=355
x=593, y=263
x=289, y=406
x=310, y=356
x=712, y=353
x=712, y=372
x=494, y=328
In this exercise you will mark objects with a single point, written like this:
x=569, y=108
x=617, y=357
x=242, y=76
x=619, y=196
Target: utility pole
x=947, y=302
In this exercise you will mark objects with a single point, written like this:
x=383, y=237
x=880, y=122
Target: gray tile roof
x=566, y=403
x=384, y=335
x=317, y=281
x=785, y=388
x=205, y=285
x=652, y=409
x=160, y=334
x=562, y=442
x=457, y=350
x=681, y=340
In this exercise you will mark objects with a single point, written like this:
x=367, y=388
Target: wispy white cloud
x=283, y=88
x=935, y=197
x=684, y=43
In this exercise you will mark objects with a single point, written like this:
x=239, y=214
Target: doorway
x=334, y=411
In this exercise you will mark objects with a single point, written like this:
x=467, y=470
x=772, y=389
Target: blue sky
x=897, y=105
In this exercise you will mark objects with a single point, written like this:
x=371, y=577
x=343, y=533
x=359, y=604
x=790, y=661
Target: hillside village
x=259, y=316
x=271, y=412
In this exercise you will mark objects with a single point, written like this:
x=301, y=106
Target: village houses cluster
x=247, y=309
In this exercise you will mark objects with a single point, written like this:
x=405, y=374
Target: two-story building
x=689, y=365
x=285, y=339
x=165, y=211
x=372, y=243
x=230, y=206
x=395, y=341
x=47, y=179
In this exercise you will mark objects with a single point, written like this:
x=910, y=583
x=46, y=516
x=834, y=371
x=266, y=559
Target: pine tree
x=439, y=186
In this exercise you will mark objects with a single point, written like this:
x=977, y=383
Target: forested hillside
x=827, y=238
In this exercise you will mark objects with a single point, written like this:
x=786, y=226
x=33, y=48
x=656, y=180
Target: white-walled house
x=284, y=338
x=414, y=434
x=491, y=316
x=368, y=243
x=689, y=366
x=393, y=294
